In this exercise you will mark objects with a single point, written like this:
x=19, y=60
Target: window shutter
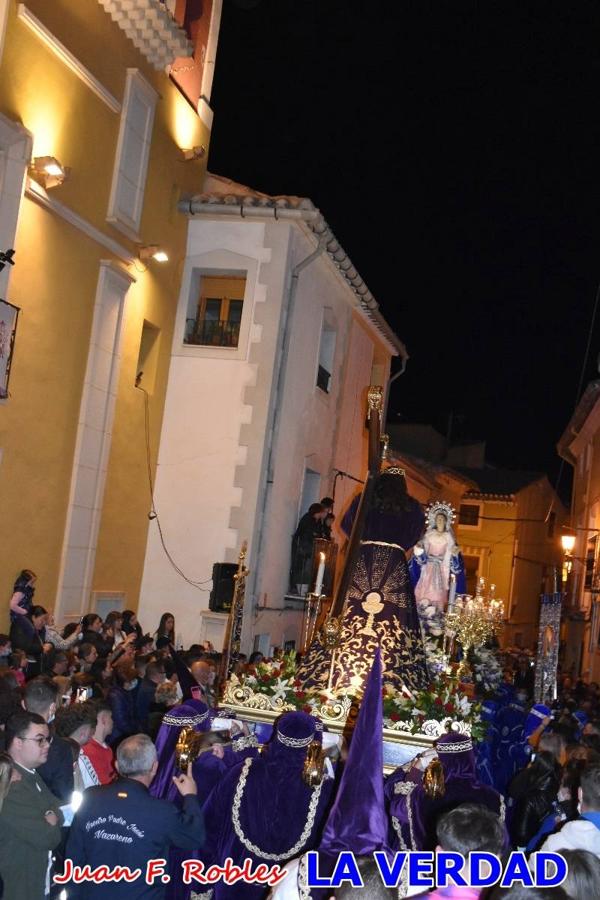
x=133, y=150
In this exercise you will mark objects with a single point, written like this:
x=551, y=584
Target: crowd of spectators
x=81, y=708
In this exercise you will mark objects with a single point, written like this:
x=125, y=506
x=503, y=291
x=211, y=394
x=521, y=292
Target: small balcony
x=212, y=333
x=152, y=28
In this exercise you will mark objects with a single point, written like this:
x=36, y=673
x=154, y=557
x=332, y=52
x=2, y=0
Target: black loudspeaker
x=221, y=595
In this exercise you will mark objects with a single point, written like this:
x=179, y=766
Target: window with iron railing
x=215, y=318
x=213, y=333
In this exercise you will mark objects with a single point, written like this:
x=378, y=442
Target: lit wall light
x=195, y=152
x=47, y=171
x=567, y=540
x=153, y=251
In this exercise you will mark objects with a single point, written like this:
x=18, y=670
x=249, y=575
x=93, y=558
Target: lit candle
x=320, y=575
x=451, y=595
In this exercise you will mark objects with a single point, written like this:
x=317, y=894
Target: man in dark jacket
x=536, y=805
x=309, y=528
x=30, y=819
x=121, y=824
x=40, y=696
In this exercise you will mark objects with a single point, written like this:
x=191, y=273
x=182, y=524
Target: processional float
x=336, y=712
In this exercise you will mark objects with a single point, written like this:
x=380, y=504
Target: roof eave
x=577, y=421
x=305, y=213
x=481, y=495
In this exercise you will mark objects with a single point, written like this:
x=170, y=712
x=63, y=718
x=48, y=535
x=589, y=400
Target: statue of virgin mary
x=436, y=558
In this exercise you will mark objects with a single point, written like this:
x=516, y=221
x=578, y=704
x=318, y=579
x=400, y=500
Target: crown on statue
x=440, y=508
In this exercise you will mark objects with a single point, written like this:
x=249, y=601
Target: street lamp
x=567, y=540
x=568, y=543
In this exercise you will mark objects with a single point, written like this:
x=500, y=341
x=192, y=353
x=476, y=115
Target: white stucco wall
x=316, y=430
x=202, y=451
x=214, y=484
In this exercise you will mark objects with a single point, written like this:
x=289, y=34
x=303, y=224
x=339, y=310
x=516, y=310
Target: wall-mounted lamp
x=153, y=251
x=195, y=152
x=48, y=171
x=567, y=540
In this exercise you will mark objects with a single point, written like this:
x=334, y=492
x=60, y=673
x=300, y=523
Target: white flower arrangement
x=432, y=619
x=486, y=668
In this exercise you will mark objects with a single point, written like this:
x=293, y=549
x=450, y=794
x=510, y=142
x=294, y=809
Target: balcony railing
x=213, y=334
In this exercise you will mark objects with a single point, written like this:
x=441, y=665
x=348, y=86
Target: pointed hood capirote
x=358, y=820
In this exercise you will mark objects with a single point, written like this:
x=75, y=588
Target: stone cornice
x=151, y=28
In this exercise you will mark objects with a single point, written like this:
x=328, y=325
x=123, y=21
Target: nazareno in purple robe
x=193, y=714
x=166, y=740
x=274, y=807
x=208, y=770
x=414, y=814
x=358, y=820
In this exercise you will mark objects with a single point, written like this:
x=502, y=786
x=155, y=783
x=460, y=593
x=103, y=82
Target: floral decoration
x=442, y=701
x=487, y=671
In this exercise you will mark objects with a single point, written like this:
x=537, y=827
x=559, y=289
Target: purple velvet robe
x=414, y=806
x=273, y=812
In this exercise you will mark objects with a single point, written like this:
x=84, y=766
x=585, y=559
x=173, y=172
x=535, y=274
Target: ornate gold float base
x=337, y=715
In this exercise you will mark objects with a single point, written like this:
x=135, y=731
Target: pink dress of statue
x=437, y=547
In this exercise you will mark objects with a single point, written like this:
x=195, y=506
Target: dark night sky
x=454, y=148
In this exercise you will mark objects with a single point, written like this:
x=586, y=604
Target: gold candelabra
x=472, y=621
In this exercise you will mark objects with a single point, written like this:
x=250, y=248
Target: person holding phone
x=61, y=643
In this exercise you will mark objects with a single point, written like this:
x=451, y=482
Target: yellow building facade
x=509, y=533
x=83, y=85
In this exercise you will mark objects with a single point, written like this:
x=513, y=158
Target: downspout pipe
x=278, y=392
x=388, y=389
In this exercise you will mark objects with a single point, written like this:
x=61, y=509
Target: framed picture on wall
x=8, y=327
